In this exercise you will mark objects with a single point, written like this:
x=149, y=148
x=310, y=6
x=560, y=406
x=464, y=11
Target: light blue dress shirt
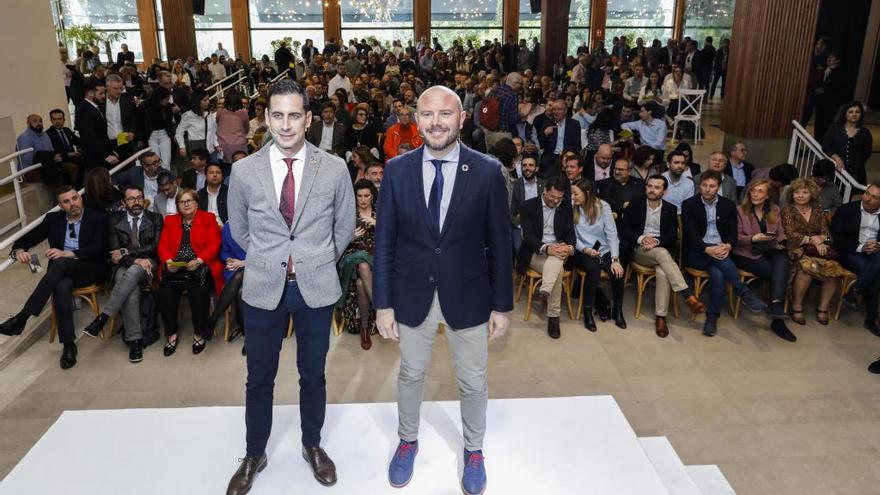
x=653, y=134
x=37, y=141
x=72, y=244
x=560, y=138
x=739, y=174
x=676, y=193
x=712, y=236
x=603, y=230
x=450, y=167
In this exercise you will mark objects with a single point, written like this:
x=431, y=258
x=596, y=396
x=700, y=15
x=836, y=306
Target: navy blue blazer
x=468, y=263
x=570, y=141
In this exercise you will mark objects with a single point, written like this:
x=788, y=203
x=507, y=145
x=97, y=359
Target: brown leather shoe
x=366, y=342
x=322, y=466
x=243, y=479
x=696, y=306
x=553, y=327
x=660, y=327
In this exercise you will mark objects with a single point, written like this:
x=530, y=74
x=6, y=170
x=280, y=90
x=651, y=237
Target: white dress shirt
x=868, y=228
x=212, y=203
x=279, y=169
x=151, y=188
x=652, y=223
x=114, y=119
x=326, y=137
x=450, y=168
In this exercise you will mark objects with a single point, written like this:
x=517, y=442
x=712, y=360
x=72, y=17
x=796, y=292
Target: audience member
x=92, y=127
x=680, y=187
x=328, y=134
x=195, y=177
x=233, y=124
x=212, y=198
x=849, y=142
x=356, y=268
x=233, y=258
x=197, y=128
x=717, y=163
x=738, y=168
x=164, y=202
x=65, y=142
x=144, y=177
x=622, y=188
x=404, y=131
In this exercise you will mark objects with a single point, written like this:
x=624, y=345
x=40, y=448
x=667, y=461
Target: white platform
x=547, y=446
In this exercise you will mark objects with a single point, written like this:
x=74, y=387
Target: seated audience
x=678, y=177
x=709, y=234
x=526, y=187
x=53, y=169
x=328, y=134
x=558, y=134
x=145, y=177
x=195, y=177
x=597, y=249
x=132, y=241
x=77, y=257
x=622, y=188
x=164, y=202
x=67, y=143
x=374, y=173
x=651, y=128
x=212, y=198
x=356, y=268
x=738, y=168
x=233, y=258
x=100, y=193
x=189, y=250
x=645, y=164
x=548, y=242
x=361, y=132
x=829, y=194
x=717, y=162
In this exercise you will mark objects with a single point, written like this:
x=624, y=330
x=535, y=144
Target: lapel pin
x=465, y=167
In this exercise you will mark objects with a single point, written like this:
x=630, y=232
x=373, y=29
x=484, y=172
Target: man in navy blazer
x=442, y=255
x=553, y=143
x=77, y=257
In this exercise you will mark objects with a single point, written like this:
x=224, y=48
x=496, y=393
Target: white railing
x=274, y=79
x=224, y=84
x=15, y=177
x=6, y=243
x=804, y=151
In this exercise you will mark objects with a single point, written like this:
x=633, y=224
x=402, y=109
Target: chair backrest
x=690, y=101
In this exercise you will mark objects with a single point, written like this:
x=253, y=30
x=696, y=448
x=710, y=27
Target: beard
x=37, y=128
x=136, y=210
x=451, y=137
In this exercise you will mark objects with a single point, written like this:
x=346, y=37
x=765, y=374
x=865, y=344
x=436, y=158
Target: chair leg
x=641, y=283
x=580, y=308
x=699, y=283
x=566, y=288
x=289, y=327
x=675, y=306
x=532, y=284
x=522, y=281
x=226, y=316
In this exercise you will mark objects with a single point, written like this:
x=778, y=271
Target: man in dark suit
x=621, y=189
x=64, y=141
x=555, y=136
x=648, y=235
x=738, y=168
x=710, y=232
x=442, y=254
x=548, y=242
x=855, y=228
x=92, y=127
x=145, y=177
x=195, y=177
x=124, y=56
x=834, y=90
x=524, y=188
x=132, y=241
x=597, y=164
x=328, y=134
x=212, y=197
x=705, y=63
x=77, y=257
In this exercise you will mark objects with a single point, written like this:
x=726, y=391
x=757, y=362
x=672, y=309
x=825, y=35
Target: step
x=668, y=466
x=710, y=480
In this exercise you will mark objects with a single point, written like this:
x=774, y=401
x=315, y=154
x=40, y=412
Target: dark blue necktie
x=436, y=195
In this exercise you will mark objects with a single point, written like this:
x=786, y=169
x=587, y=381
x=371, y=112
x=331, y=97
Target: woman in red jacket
x=189, y=250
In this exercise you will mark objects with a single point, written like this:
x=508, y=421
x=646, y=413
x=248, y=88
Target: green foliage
x=276, y=44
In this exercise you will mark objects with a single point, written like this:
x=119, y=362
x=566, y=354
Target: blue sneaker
x=400, y=471
x=473, y=481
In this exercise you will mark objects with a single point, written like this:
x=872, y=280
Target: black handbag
x=185, y=279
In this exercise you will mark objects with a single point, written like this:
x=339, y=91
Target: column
x=678, y=19
x=511, y=20
x=241, y=28
x=554, y=33
x=766, y=81
x=598, y=18
x=180, y=29
x=421, y=21
x=333, y=21
x=149, y=34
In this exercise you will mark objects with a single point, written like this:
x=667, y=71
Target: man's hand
x=871, y=247
x=145, y=264
x=57, y=158
x=617, y=269
x=592, y=253
x=386, y=324
x=550, y=129
x=182, y=152
x=649, y=243
x=112, y=159
x=115, y=256
x=23, y=256
x=54, y=254
x=498, y=324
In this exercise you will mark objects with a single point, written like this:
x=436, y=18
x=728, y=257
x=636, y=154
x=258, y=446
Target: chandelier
x=376, y=10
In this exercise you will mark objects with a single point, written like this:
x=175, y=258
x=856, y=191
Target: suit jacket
x=204, y=237
x=323, y=225
x=728, y=185
x=748, y=168
x=128, y=113
x=122, y=57
x=222, y=208
x=58, y=143
x=189, y=179
x=159, y=203
x=694, y=223
x=92, y=127
x=616, y=194
x=134, y=176
x=316, y=131
x=92, y=234
x=747, y=227
x=149, y=231
x=518, y=196
x=532, y=221
x=845, y=226
x=632, y=226
x=571, y=140
x=467, y=263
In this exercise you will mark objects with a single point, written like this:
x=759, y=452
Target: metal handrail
x=16, y=154
x=273, y=80
x=222, y=90
x=221, y=81
x=6, y=243
x=847, y=183
x=18, y=174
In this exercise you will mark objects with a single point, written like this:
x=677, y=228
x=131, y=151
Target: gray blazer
x=323, y=225
x=159, y=202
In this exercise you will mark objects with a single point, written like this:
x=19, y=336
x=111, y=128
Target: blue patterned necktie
x=436, y=195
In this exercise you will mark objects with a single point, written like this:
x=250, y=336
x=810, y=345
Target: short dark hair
x=660, y=178
x=92, y=84
x=327, y=104
x=674, y=153
x=504, y=150
x=164, y=177
x=239, y=152
x=200, y=153
x=555, y=182
x=54, y=111
x=288, y=87
x=374, y=164
x=531, y=156
x=784, y=173
x=710, y=175
x=214, y=165
x=64, y=189
x=132, y=186
x=823, y=169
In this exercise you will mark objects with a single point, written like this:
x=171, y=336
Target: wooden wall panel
x=332, y=22
x=241, y=28
x=511, y=20
x=149, y=34
x=554, y=33
x=421, y=21
x=770, y=49
x=180, y=29
x=598, y=18
x=678, y=19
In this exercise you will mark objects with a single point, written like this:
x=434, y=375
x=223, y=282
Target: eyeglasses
x=71, y=231
x=185, y=202
x=135, y=199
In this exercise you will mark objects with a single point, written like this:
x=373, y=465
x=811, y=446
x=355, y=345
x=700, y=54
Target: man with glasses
x=77, y=257
x=133, y=237
x=738, y=168
x=145, y=177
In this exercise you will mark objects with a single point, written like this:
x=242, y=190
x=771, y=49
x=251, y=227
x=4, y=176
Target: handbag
x=830, y=254
x=185, y=279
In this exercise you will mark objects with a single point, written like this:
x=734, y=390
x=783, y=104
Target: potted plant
x=85, y=36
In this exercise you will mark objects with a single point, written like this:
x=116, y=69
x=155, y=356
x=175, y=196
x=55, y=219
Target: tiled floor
x=778, y=418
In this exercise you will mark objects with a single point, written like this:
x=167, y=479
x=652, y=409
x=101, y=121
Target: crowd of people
x=593, y=187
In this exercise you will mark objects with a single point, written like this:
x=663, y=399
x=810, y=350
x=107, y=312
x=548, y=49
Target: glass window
x=647, y=19
x=704, y=18
x=578, y=23
x=214, y=27
x=475, y=20
x=106, y=16
x=384, y=20
x=277, y=19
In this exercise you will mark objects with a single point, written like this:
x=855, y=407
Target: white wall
x=31, y=80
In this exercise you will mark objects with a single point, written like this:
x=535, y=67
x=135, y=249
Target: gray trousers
x=126, y=297
x=470, y=354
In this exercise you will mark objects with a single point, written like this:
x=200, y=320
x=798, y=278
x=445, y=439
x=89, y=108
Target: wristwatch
x=615, y=260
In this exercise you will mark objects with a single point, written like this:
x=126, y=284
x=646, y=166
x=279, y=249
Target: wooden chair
x=149, y=289
x=337, y=322
x=644, y=275
x=847, y=282
x=534, y=279
x=88, y=294
x=747, y=278
x=603, y=275
x=701, y=278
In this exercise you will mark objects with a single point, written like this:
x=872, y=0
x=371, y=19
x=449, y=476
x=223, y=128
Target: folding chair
x=690, y=109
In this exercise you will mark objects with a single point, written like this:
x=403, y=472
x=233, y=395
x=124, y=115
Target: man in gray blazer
x=328, y=134
x=291, y=207
x=163, y=202
x=717, y=162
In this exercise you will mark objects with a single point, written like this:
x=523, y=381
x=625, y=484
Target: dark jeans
x=720, y=271
x=593, y=269
x=62, y=275
x=717, y=77
x=772, y=266
x=867, y=267
x=265, y=333
x=199, y=304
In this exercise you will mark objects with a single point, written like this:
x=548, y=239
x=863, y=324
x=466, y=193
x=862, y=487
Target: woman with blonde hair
x=808, y=242
x=597, y=249
x=761, y=248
